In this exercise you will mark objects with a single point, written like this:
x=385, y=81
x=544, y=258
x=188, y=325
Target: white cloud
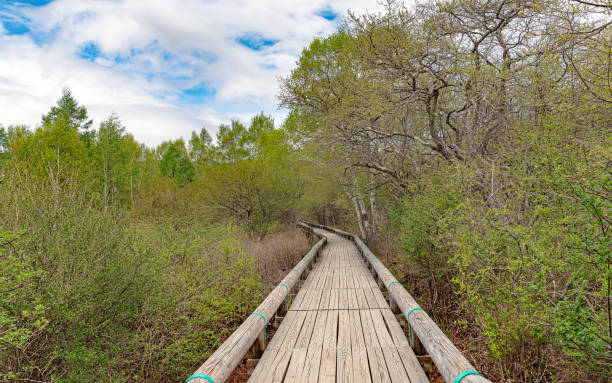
x=146, y=54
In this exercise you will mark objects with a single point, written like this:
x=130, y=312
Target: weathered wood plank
x=344, y=358
x=394, y=363
x=361, y=370
x=378, y=366
x=315, y=350
x=327, y=371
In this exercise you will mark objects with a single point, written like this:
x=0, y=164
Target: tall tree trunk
x=373, y=212
x=364, y=215
x=357, y=211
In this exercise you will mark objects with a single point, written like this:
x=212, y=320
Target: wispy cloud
x=166, y=67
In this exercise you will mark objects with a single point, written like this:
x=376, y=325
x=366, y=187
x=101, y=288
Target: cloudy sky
x=166, y=67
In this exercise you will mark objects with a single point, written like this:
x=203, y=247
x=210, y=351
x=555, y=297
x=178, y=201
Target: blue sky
x=167, y=67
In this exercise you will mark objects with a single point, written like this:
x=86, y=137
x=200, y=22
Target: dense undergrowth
x=523, y=242
x=93, y=294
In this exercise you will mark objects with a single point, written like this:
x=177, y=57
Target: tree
x=232, y=142
x=112, y=157
x=255, y=180
x=3, y=139
x=176, y=164
x=201, y=149
x=68, y=110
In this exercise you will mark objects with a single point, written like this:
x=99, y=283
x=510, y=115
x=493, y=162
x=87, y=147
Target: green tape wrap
x=408, y=315
x=392, y=282
x=287, y=298
x=200, y=376
x=464, y=374
x=265, y=322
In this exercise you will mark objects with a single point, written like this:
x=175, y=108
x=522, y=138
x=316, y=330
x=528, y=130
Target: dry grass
x=277, y=254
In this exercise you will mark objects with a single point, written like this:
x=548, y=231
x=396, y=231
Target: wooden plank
x=342, y=299
x=342, y=280
x=361, y=299
x=352, y=299
x=361, y=370
x=327, y=371
x=336, y=280
x=372, y=302
x=296, y=365
x=329, y=279
x=306, y=301
x=316, y=299
x=315, y=348
x=380, y=299
x=378, y=366
x=333, y=300
x=306, y=332
x=298, y=355
x=267, y=359
x=297, y=301
x=277, y=368
x=396, y=369
x=344, y=358
x=324, y=302
x=409, y=359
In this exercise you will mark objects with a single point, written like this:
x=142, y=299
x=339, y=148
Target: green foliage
x=94, y=290
x=237, y=142
x=176, y=164
x=86, y=290
x=534, y=269
x=201, y=149
x=112, y=153
x=255, y=181
x=73, y=115
x=3, y=140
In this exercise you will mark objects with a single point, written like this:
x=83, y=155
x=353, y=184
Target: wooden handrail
x=450, y=361
x=222, y=362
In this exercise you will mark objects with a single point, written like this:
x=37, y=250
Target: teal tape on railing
x=297, y=271
x=265, y=322
x=390, y=283
x=287, y=298
x=407, y=321
x=464, y=374
x=200, y=376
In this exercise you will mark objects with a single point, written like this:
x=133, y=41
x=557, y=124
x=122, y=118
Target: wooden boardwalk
x=339, y=328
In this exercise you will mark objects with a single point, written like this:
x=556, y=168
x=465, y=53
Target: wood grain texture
x=339, y=327
x=449, y=360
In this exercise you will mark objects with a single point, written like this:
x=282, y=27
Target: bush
x=526, y=241
x=92, y=294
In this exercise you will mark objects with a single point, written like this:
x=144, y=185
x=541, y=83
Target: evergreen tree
x=68, y=109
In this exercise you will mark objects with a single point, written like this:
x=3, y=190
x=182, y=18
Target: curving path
x=339, y=328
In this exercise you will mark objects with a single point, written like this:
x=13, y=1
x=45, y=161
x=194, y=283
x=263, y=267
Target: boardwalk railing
x=451, y=363
x=251, y=333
